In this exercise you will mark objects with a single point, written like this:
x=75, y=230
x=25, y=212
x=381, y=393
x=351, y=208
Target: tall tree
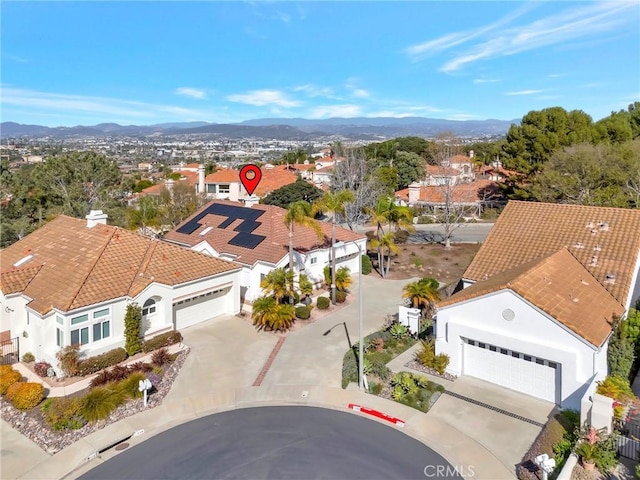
x=422, y=294
x=277, y=283
x=334, y=203
x=299, y=213
x=293, y=192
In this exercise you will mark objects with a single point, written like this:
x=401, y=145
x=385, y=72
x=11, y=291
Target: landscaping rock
x=32, y=426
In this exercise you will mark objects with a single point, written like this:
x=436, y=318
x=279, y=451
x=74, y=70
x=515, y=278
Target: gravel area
x=415, y=365
x=32, y=425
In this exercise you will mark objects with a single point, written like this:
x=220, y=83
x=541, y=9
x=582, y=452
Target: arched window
x=149, y=307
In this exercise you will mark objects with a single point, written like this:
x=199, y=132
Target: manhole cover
x=122, y=446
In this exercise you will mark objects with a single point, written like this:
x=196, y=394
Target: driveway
x=309, y=358
x=506, y=437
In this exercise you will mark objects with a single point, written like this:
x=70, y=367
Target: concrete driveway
x=506, y=437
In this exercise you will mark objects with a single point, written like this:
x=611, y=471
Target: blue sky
x=71, y=63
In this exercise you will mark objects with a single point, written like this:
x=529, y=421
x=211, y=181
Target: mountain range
x=275, y=128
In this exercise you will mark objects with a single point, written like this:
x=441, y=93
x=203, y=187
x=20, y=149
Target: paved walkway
x=228, y=355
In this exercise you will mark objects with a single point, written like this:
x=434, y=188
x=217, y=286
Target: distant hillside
x=275, y=128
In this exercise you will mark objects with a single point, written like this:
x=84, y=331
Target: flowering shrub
x=42, y=368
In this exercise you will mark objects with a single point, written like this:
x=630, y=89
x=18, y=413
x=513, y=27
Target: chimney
x=96, y=217
x=251, y=200
x=200, y=179
x=234, y=191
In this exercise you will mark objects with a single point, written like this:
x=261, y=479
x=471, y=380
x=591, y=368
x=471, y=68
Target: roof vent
x=610, y=278
x=594, y=261
x=23, y=260
x=597, y=248
x=206, y=230
x=590, y=225
x=604, y=226
x=578, y=245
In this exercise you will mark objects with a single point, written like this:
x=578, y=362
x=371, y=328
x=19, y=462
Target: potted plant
x=588, y=453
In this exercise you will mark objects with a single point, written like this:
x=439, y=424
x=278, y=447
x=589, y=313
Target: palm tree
x=299, y=213
x=278, y=284
x=384, y=244
x=343, y=278
x=268, y=313
x=334, y=203
x=305, y=285
x=423, y=293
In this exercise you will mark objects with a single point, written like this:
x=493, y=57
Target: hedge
x=162, y=340
x=8, y=377
x=94, y=364
x=25, y=395
x=303, y=313
x=323, y=303
x=366, y=265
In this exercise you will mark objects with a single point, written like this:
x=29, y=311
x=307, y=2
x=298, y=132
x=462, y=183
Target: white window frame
x=101, y=317
x=151, y=309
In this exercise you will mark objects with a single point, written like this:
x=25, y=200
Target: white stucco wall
x=531, y=332
x=635, y=286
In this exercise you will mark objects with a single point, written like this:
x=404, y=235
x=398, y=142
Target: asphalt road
x=280, y=443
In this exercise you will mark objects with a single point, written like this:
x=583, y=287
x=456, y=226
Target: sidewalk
x=227, y=356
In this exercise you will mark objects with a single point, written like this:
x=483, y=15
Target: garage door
x=197, y=309
x=524, y=373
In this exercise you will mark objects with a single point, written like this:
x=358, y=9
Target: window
x=527, y=358
x=149, y=307
x=80, y=319
x=223, y=188
x=492, y=348
x=553, y=364
x=515, y=354
x=101, y=328
x=59, y=338
x=482, y=345
x=504, y=351
x=59, y=319
x=539, y=361
x=211, y=188
x=472, y=342
x=80, y=336
x=314, y=260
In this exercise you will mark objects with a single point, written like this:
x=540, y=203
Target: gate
x=10, y=351
x=628, y=440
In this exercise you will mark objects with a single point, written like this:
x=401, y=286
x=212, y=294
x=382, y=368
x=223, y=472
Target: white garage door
x=537, y=377
x=200, y=308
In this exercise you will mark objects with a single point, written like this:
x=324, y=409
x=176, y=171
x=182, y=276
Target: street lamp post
x=360, y=322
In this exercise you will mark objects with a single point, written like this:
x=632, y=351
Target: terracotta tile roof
x=472, y=192
x=440, y=171
x=606, y=241
x=559, y=285
x=271, y=225
x=156, y=189
x=272, y=179
x=78, y=266
x=460, y=159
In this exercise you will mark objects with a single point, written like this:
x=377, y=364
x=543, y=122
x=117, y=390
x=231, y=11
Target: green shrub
x=99, y=362
x=427, y=357
x=28, y=357
x=8, y=377
x=400, y=236
x=129, y=386
x=161, y=357
x=323, y=303
x=42, y=369
x=615, y=387
x=365, y=265
x=349, y=369
x=398, y=331
x=132, y=321
x=69, y=359
x=423, y=219
x=303, y=313
x=63, y=413
x=376, y=388
x=441, y=363
x=162, y=340
x=341, y=296
x=100, y=402
x=25, y=395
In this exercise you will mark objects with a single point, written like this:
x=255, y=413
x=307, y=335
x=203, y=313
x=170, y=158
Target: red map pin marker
x=250, y=177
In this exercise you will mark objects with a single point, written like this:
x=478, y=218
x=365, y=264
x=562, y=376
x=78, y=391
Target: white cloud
x=485, y=80
x=360, y=93
x=191, y=92
x=113, y=109
x=314, y=90
x=261, y=98
x=335, y=111
x=584, y=21
x=422, y=50
x=461, y=116
x=525, y=92
x=556, y=75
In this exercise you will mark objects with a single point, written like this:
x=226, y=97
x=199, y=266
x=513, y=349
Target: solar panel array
x=245, y=238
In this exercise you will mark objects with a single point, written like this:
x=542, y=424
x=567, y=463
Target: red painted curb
x=377, y=414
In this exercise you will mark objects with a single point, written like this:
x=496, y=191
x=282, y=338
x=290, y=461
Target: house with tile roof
x=256, y=237
x=70, y=282
x=535, y=314
x=224, y=183
x=474, y=196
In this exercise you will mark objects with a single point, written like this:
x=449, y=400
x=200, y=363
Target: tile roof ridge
x=86, y=277
x=144, y=262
